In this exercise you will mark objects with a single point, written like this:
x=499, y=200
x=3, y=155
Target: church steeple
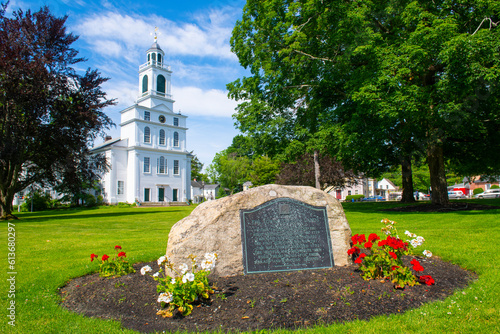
x=154, y=75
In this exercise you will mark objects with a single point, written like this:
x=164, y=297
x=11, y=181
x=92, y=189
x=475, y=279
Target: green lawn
x=55, y=246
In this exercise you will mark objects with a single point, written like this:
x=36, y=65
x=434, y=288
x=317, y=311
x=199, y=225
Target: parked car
x=423, y=197
x=374, y=199
x=456, y=194
x=492, y=193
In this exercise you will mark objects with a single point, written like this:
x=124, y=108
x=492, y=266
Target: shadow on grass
x=81, y=213
x=382, y=207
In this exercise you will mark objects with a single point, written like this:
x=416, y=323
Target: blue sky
x=114, y=37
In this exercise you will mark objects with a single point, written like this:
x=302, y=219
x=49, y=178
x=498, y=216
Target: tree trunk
x=316, y=169
x=439, y=186
x=407, y=178
x=6, y=206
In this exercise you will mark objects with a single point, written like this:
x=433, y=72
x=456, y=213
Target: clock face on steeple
x=161, y=118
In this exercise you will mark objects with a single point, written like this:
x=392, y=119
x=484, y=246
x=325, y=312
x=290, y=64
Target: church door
x=175, y=197
x=161, y=194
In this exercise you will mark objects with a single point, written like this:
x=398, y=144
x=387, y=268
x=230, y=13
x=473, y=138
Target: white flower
x=427, y=253
x=172, y=281
x=183, y=268
x=207, y=265
x=156, y=274
x=420, y=240
x=188, y=277
x=408, y=233
x=146, y=269
x=211, y=257
x=161, y=260
x=415, y=243
x=165, y=297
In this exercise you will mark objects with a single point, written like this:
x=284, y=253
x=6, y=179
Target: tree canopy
x=376, y=83
x=49, y=113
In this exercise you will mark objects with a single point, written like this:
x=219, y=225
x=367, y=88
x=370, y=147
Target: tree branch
x=492, y=24
x=313, y=57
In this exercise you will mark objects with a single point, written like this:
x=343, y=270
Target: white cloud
x=198, y=102
x=112, y=33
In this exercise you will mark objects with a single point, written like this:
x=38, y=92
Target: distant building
x=150, y=161
x=366, y=187
x=201, y=191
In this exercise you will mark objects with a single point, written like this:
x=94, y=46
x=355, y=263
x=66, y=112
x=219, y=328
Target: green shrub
x=478, y=191
x=90, y=201
x=40, y=200
x=495, y=186
x=349, y=198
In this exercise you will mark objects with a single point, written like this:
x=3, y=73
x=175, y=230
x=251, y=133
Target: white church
x=150, y=161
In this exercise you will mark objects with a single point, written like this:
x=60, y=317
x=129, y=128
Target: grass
x=54, y=246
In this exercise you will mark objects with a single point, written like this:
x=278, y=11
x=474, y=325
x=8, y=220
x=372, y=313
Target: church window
x=147, y=135
x=147, y=165
x=162, y=165
x=162, y=137
x=147, y=116
x=159, y=58
x=176, y=167
x=147, y=192
x=121, y=188
x=149, y=57
x=160, y=85
x=176, y=121
x=176, y=139
x=153, y=55
x=145, y=84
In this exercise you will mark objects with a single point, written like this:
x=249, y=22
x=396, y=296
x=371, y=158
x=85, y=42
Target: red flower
x=93, y=256
x=362, y=255
x=354, y=239
x=427, y=279
x=382, y=243
x=354, y=250
x=358, y=260
x=373, y=237
x=368, y=244
x=394, y=256
x=361, y=238
x=118, y=247
x=416, y=265
x=121, y=254
x=105, y=257
x=394, y=268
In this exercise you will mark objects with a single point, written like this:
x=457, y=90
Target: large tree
x=416, y=75
x=48, y=112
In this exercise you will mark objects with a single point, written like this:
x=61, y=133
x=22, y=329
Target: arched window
x=176, y=139
x=153, y=56
x=159, y=58
x=145, y=84
x=162, y=165
x=160, y=84
x=147, y=134
x=162, y=137
x=149, y=57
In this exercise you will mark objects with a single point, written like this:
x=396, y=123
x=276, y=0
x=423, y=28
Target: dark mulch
x=452, y=207
x=261, y=301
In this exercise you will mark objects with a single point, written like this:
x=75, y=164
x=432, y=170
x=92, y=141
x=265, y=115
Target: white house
x=150, y=161
x=365, y=186
x=385, y=187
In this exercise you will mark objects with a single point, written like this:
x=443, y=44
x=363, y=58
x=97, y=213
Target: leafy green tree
x=196, y=169
x=229, y=170
x=263, y=171
x=390, y=81
x=48, y=113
